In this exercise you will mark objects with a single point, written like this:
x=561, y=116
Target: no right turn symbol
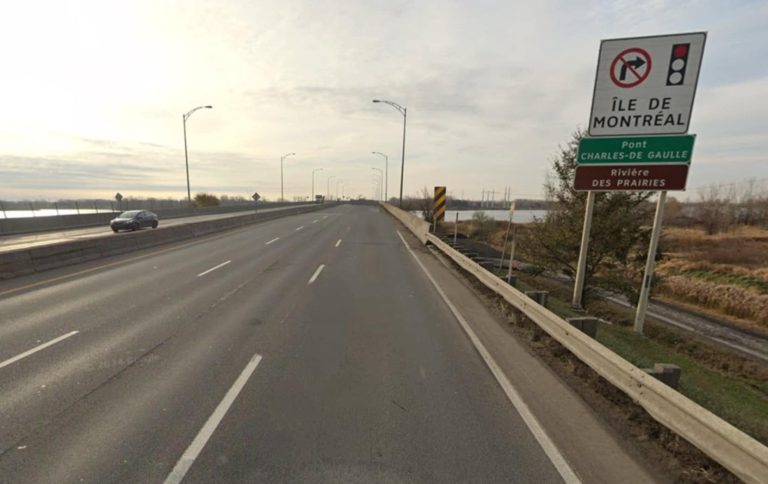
x=631, y=67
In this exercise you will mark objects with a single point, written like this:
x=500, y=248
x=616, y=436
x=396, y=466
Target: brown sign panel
x=631, y=177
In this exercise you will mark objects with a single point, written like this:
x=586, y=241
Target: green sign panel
x=635, y=149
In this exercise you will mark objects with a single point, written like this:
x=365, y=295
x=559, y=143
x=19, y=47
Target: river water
x=520, y=217
x=48, y=212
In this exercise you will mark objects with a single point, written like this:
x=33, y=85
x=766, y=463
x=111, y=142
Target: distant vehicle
x=134, y=220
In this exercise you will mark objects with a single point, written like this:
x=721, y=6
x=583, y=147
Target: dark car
x=134, y=220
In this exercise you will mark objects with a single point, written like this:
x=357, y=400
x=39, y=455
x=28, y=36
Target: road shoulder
x=590, y=447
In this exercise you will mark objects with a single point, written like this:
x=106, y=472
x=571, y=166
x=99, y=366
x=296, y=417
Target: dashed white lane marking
x=194, y=449
x=299, y=228
x=549, y=448
x=315, y=221
x=316, y=274
x=338, y=243
x=34, y=350
x=214, y=268
x=273, y=240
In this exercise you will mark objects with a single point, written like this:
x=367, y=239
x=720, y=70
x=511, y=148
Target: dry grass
x=759, y=274
x=743, y=246
x=726, y=273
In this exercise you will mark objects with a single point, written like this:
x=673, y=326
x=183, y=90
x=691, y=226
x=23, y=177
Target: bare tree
x=716, y=210
x=426, y=204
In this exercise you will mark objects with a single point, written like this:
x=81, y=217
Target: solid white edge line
x=34, y=350
x=549, y=448
x=273, y=240
x=316, y=274
x=214, y=268
x=338, y=243
x=188, y=457
x=299, y=228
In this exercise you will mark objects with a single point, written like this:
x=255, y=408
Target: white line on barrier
x=557, y=459
x=34, y=350
x=194, y=449
x=316, y=274
x=273, y=240
x=214, y=268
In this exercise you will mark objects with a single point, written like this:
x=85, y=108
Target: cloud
x=491, y=89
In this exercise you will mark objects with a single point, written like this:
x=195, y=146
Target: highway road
x=310, y=348
x=26, y=241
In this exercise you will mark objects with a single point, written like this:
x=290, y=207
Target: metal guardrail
x=733, y=449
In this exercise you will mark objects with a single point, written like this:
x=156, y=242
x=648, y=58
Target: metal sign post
x=514, y=239
x=256, y=197
x=645, y=290
x=578, y=286
x=456, y=228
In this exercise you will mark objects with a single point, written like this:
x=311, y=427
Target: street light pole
x=404, y=112
x=313, y=182
x=282, y=198
x=386, y=174
x=328, y=186
x=337, y=188
x=376, y=187
x=184, y=118
x=381, y=182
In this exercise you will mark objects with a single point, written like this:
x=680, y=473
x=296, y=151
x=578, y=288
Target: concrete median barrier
x=28, y=225
x=14, y=264
x=54, y=256
x=419, y=227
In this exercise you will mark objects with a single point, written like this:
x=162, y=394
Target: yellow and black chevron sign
x=439, y=206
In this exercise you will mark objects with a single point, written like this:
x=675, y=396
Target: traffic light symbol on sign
x=678, y=63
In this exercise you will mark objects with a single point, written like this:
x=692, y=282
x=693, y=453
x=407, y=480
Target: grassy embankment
x=727, y=384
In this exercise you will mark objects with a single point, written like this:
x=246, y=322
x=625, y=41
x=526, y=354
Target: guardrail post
x=539, y=296
x=666, y=373
x=587, y=326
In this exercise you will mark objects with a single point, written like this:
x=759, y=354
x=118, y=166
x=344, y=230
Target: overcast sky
x=94, y=92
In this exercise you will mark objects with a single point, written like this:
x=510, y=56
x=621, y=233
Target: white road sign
x=646, y=85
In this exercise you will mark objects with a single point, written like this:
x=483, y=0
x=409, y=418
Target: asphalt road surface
x=305, y=349
x=25, y=241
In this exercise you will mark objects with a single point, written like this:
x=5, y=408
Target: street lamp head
x=377, y=100
x=208, y=107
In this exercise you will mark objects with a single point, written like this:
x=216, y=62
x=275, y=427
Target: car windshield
x=127, y=215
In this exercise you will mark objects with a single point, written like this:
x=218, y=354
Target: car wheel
x=154, y=224
x=115, y=230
